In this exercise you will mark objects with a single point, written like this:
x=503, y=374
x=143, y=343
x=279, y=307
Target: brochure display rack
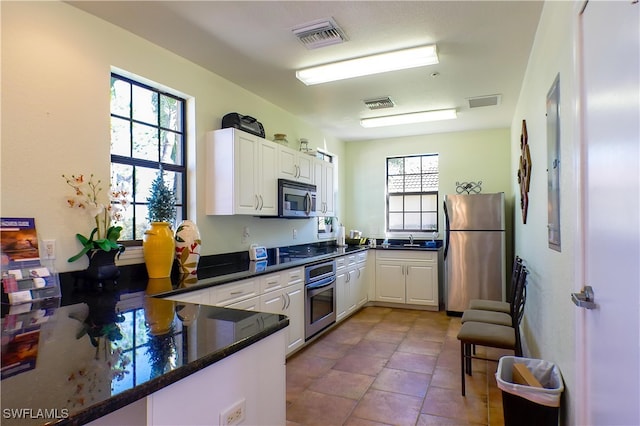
x=24, y=277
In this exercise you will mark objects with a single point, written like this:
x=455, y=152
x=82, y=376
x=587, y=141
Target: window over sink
x=412, y=193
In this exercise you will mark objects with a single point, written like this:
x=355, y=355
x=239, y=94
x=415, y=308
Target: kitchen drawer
x=351, y=259
x=202, y=297
x=271, y=282
x=418, y=255
x=361, y=257
x=293, y=276
x=341, y=262
x=230, y=293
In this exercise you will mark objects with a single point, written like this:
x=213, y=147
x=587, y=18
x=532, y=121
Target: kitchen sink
x=403, y=245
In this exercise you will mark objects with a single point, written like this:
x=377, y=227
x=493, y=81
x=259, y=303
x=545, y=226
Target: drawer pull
x=233, y=293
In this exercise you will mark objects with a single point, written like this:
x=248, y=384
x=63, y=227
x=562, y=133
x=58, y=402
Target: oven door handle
x=322, y=283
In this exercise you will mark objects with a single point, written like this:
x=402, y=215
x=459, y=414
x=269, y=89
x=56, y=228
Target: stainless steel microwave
x=295, y=199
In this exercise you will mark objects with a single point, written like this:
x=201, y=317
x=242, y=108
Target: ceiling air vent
x=379, y=103
x=484, y=101
x=324, y=32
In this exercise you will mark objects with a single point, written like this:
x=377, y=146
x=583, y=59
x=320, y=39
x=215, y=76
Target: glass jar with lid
x=281, y=138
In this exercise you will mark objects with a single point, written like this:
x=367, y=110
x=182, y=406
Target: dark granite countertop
x=75, y=363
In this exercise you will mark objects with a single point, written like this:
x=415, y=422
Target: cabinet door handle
x=257, y=202
x=284, y=302
x=261, y=202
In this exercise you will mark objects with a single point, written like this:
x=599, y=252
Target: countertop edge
x=119, y=401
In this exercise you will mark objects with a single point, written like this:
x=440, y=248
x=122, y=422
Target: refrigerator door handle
x=446, y=233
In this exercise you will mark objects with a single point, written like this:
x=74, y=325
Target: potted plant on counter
x=158, y=244
x=101, y=246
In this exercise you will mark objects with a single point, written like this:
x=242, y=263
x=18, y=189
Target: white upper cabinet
x=241, y=175
x=295, y=165
x=323, y=180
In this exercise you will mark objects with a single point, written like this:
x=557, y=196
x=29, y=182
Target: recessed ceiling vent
x=379, y=103
x=484, y=101
x=324, y=32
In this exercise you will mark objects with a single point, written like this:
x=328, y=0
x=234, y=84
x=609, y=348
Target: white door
x=608, y=347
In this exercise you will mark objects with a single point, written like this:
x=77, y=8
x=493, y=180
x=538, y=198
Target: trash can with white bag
x=523, y=401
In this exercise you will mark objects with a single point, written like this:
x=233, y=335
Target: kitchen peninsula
x=137, y=357
x=125, y=352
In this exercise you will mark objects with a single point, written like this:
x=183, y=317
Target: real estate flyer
x=18, y=243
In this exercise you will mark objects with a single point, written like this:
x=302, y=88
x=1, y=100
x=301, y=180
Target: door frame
x=580, y=413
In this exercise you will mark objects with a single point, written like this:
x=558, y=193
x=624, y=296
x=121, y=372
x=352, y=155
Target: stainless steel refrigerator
x=474, y=249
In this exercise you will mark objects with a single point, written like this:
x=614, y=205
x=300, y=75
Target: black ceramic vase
x=102, y=266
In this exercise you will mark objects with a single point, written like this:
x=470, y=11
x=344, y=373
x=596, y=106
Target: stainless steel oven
x=320, y=297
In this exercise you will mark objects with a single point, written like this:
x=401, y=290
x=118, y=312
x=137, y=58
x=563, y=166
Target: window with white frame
x=147, y=134
x=412, y=193
x=326, y=225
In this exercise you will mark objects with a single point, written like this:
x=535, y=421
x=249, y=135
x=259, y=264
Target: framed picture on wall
x=553, y=164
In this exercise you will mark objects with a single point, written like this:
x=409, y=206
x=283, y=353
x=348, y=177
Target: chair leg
x=462, y=365
x=469, y=359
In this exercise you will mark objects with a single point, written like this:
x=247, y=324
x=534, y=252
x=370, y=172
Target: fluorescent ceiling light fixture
x=414, y=117
x=375, y=64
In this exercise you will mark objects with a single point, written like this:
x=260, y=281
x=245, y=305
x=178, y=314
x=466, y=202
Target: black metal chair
x=474, y=333
x=494, y=316
x=495, y=305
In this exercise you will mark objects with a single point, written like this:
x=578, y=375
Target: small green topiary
x=162, y=201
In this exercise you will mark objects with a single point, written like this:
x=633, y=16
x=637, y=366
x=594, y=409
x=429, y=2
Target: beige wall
x=481, y=155
x=548, y=324
x=56, y=62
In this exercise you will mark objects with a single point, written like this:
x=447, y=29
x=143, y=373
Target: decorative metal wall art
x=524, y=171
x=469, y=187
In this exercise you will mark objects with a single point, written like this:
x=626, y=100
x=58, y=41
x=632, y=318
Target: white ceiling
x=483, y=49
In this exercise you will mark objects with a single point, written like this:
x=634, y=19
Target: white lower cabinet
x=287, y=299
x=351, y=284
x=407, y=277
x=278, y=293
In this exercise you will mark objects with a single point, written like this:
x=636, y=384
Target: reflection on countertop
x=75, y=363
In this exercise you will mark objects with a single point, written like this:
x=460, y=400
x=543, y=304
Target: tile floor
x=387, y=366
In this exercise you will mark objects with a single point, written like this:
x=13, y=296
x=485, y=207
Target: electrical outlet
x=295, y=233
x=234, y=414
x=49, y=249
